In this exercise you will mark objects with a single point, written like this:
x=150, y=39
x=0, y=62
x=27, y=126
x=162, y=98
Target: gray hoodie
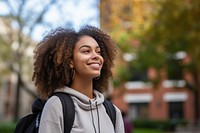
x=90, y=115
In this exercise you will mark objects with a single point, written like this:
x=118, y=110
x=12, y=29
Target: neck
x=83, y=86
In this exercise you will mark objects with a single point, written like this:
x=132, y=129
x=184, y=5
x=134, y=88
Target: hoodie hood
x=82, y=100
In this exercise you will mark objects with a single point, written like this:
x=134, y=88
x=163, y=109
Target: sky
x=79, y=13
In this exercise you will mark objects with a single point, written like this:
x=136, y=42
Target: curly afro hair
x=55, y=52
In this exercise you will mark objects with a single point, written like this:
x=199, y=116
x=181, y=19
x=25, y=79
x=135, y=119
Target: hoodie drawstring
x=98, y=116
x=93, y=117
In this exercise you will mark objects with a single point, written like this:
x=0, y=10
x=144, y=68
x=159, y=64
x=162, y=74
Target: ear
x=71, y=64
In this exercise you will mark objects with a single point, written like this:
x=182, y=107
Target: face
x=87, y=60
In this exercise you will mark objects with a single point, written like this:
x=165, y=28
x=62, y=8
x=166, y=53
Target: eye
x=99, y=52
x=86, y=51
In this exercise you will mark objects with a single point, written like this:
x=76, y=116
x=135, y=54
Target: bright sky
x=77, y=13
x=80, y=13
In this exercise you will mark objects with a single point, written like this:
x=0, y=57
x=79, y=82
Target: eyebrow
x=87, y=46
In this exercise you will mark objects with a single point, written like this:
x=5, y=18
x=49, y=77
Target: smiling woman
x=87, y=61
x=78, y=64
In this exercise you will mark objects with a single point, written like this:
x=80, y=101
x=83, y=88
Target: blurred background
x=156, y=78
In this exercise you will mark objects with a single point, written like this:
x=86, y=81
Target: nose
x=95, y=56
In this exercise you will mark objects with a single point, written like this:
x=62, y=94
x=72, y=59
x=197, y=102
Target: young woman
x=79, y=64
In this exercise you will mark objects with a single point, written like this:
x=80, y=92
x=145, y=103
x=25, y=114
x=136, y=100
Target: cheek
x=80, y=60
x=102, y=60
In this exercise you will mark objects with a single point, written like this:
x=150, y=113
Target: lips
x=95, y=65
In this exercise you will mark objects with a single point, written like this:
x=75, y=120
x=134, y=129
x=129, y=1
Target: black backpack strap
x=111, y=111
x=68, y=110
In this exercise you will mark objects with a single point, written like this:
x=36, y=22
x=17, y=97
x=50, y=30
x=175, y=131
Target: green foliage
x=7, y=127
x=124, y=42
x=174, y=28
x=164, y=125
x=122, y=75
x=149, y=55
x=146, y=130
x=175, y=69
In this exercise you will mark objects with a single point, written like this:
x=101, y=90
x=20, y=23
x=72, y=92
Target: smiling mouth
x=95, y=65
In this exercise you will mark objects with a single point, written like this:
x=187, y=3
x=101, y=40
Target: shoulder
x=53, y=106
x=52, y=116
x=119, y=121
x=53, y=101
x=112, y=106
x=118, y=111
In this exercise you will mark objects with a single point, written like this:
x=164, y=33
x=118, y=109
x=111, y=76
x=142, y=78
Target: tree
x=174, y=29
x=125, y=20
x=20, y=20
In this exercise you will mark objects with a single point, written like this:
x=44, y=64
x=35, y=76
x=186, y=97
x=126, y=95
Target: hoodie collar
x=82, y=100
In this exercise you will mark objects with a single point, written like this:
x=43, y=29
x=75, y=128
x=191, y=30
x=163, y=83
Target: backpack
x=30, y=123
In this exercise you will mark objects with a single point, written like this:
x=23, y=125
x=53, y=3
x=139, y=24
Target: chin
x=96, y=75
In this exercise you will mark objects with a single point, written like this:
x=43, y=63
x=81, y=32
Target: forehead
x=87, y=41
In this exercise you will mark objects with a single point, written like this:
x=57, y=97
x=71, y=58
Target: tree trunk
x=197, y=96
x=17, y=99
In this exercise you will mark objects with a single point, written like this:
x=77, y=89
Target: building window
x=138, y=75
x=138, y=111
x=176, y=110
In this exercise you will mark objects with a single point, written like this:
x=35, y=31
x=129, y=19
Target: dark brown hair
x=54, y=53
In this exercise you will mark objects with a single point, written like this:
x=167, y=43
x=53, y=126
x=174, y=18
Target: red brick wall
x=158, y=108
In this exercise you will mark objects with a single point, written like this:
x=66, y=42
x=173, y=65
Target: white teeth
x=96, y=65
